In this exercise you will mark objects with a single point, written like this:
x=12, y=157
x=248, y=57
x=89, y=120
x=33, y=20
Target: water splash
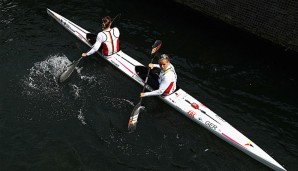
x=49, y=99
x=117, y=102
x=43, y=76
x=90, y=79
x=76, y=90
x=81, y=117
x=46, y=98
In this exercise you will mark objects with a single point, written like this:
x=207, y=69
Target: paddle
x=132, y=123
x=66, y=74
x=69, y=70
x=116, y=17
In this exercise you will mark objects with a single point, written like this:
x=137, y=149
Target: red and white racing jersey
x=167, y=82
x=109, y=40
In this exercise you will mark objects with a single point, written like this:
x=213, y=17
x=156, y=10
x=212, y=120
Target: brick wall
x=273, y=20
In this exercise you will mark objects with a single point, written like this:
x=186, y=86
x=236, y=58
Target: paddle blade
x=156, y=46
x=68, y=72
x=132, y=123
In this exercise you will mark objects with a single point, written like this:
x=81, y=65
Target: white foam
x=43, y=76
x=76, y=90
x=81, y=117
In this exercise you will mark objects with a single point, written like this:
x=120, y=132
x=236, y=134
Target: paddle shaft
x=145, y=83
x=118, y=15
x=132, y=123
x=80, y=59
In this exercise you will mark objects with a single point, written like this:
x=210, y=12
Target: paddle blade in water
x=132, y=123
x=68, y=72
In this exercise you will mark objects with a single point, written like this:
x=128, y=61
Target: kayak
x=179, y=100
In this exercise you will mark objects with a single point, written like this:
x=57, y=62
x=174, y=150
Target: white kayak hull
x=180, y=100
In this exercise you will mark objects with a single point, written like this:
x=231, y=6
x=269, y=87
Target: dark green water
x=81, y=124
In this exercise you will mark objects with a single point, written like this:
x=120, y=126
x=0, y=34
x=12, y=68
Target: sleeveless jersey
x=108, y=40
x=167, y=82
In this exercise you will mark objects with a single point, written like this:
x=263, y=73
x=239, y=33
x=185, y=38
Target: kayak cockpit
x=91, y=37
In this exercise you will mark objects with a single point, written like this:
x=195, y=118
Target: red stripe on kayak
x=84, y=38
x=125, y=66
x=232, y=140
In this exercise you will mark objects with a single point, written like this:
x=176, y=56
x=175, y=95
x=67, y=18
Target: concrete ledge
x=276, y=21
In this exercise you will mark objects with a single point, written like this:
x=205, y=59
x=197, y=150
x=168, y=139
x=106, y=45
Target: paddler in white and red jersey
x=107, y=40
x=167, y=78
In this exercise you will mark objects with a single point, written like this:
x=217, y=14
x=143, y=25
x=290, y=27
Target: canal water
x=82, y=124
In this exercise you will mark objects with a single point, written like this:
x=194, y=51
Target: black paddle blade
x=132, y=123
x=156, y=46
x=68, y=72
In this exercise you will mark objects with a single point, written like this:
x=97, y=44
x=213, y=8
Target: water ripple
x=7, y=12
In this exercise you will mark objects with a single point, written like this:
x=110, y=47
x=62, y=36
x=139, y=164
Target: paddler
x=107, y=39
x=167, y=77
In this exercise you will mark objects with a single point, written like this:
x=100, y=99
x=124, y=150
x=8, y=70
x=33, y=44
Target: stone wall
x=273, y=20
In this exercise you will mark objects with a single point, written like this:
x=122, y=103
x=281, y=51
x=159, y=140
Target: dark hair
x=106, y=22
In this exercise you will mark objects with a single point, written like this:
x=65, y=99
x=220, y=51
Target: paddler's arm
x=156, y=92
x=151, y=66
x=162, y=88
x=96, y=46
x=152, y=93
